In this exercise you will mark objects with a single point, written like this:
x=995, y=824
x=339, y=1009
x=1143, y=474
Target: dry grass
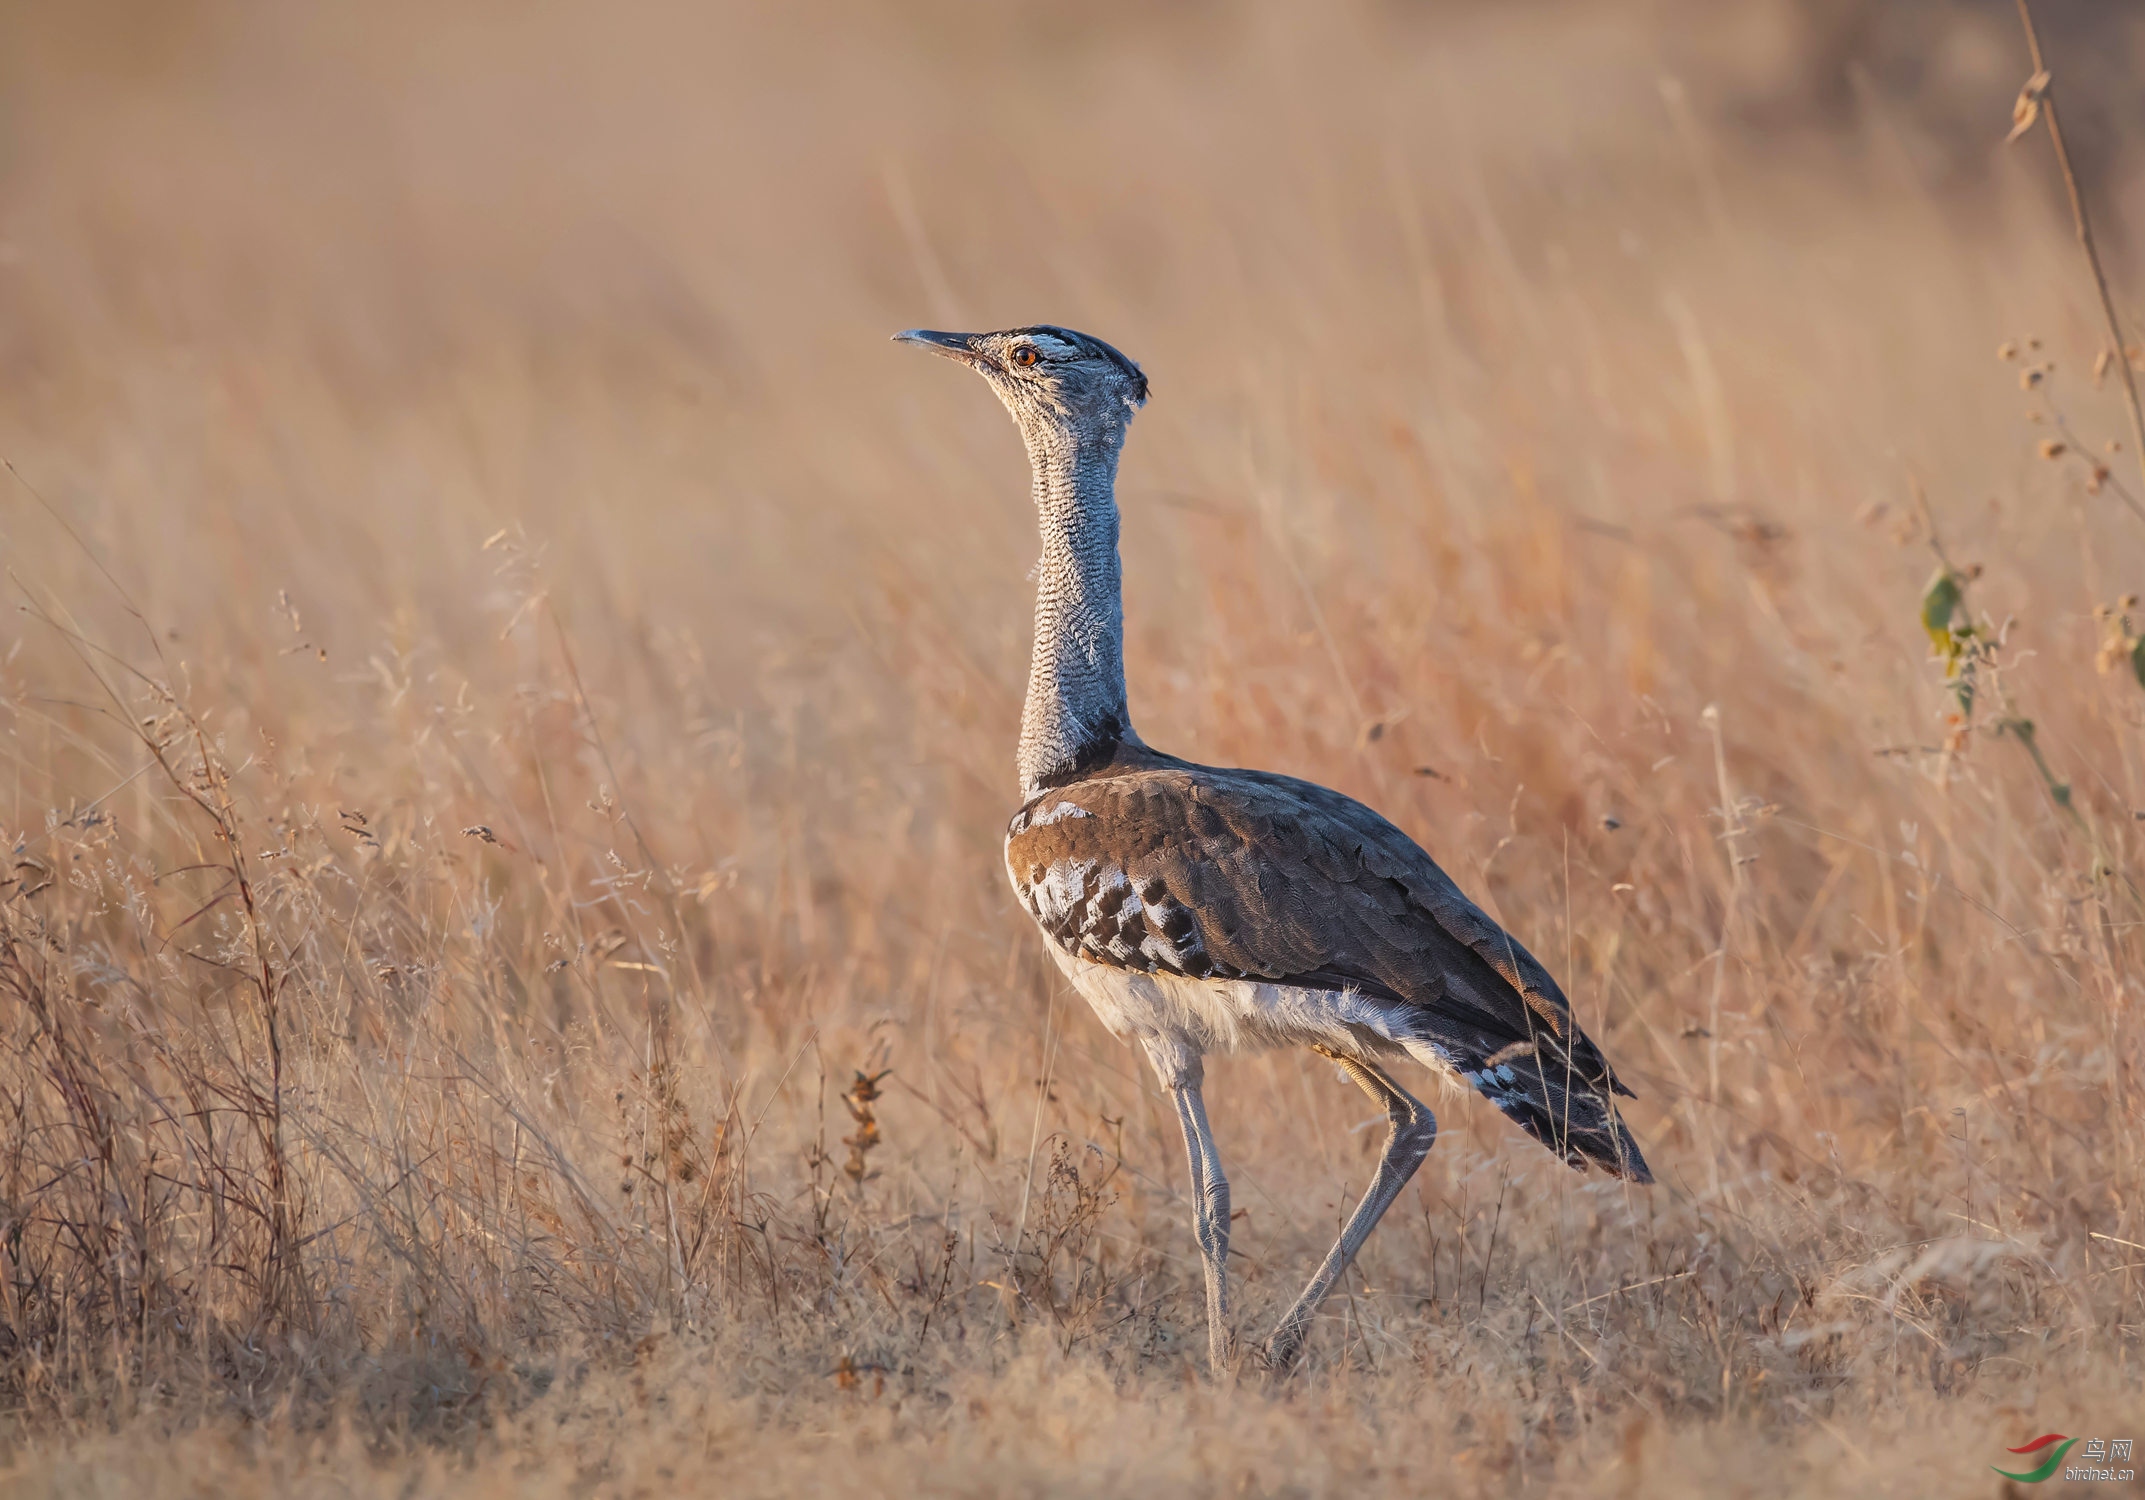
x=517, y=747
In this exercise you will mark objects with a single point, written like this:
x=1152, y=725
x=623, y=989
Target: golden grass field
x=509, y=696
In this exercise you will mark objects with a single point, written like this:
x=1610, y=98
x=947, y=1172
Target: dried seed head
x=2052, y=448
x=2027, y=108
x=2007, y=350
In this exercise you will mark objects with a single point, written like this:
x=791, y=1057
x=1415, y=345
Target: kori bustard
x=1206, y=910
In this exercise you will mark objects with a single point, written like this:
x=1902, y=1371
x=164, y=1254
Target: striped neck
x=1075, y=714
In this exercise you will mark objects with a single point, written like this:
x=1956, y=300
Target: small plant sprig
x=2037, y=377
x=1965, y=646
x=2118, y=647
x=860, y=1098
x=1970, y=650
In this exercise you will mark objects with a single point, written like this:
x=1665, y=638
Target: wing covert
x=1207, y=873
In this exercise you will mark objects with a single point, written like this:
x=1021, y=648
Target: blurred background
x=368, y=287
x=616, y=645
x=1581, y=348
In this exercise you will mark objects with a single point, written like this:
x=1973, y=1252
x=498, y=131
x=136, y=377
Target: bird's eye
x=1025, y=355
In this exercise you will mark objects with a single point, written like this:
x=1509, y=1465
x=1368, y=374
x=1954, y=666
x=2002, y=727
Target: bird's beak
x=958, y=346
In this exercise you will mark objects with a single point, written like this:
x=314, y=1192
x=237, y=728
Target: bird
x=1206, y=911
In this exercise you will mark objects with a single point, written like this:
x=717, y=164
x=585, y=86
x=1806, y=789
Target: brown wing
x=1164, y=865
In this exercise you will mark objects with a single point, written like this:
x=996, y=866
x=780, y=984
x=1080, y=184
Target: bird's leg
x=1409, y=1136
x=1211, y=1208
x=1182, y=1073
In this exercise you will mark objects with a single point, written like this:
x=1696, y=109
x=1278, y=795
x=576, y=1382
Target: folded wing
x=1226, y=874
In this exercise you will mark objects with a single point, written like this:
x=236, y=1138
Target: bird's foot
x=1277, y=1356
x=1225, y=1356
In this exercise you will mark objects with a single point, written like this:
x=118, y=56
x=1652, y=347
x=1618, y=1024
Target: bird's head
x=1054, y=381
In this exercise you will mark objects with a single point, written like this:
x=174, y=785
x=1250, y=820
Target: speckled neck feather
x=1075, y=713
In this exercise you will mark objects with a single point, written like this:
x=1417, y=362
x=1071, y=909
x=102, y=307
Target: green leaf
x=1940, y=602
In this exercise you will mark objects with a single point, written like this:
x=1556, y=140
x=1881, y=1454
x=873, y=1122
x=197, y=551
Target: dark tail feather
x=1578, y=1123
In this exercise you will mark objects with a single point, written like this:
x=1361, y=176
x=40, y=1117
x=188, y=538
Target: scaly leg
x=1182, y=1073
x=1411, y=1133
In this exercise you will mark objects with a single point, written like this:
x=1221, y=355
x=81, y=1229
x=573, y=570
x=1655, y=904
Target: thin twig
x=1042, y=1092
x=2041, y=92
x=1731, y=830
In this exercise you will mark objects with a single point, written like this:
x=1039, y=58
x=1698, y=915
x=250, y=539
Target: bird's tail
x=1561, y=1102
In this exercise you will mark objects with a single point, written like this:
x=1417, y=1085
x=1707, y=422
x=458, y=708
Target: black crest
x=1097, y=347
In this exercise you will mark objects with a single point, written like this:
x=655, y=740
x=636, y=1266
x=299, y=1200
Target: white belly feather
x=1207, y=1016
